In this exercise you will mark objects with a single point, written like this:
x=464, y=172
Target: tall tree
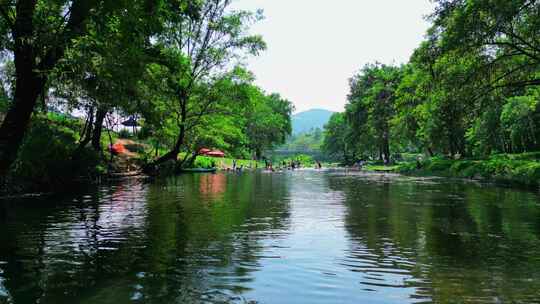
x=504, y=32
x=268, y=122
x=204, y=45
x=37, y=33
x=372, y=106
x=338, y=142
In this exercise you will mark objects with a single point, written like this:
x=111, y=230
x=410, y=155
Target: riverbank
x=515, y=169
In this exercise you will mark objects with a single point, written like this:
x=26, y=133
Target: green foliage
x=483, y=134
x=223, y=163
x=4, y=104
x=190, y=92
x=124, y=133
x=204, y=162
x=304, y=159
x=49, y=159
x=310, y=141
x=337, y=143
x=510, y=168
x=365, y=128
x=521, y=156
x=171, y=64
x=268, y=121
x=380, y=168
x=519, y=119
x=471, y=90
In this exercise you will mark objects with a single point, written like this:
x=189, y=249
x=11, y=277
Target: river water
x=295, y=237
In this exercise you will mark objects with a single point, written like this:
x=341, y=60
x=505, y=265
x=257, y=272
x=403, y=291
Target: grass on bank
x=227, y=162
x=381, y=168
x=521, y=168
x=224, y=163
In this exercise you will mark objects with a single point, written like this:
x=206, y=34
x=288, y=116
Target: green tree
x=371, y=107
x=503, y=32
x=44, y=38
x=101, y=72
x=519, y=119
x=37, y=33
x=203, y=45
x=268, y=122
x=338, y=143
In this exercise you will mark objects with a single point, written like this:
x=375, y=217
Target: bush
x=305, y=160
x=519, y=156
x=204, y=162
x=521, y=168
x=47, y=160
x=124, y=133
x=438, y=164
x=4, y=104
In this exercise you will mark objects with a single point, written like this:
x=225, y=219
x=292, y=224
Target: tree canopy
x=469, y=90
x=174, y=67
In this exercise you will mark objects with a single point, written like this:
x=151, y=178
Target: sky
x=315, y=46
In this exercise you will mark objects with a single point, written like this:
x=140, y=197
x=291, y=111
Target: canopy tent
x=215, y=153
x=131, y=122
x=203, y=151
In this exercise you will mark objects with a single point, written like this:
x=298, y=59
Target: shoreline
x=459, y=169
x=504, y=172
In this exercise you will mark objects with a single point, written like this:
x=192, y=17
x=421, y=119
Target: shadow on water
x=184, y=239
x=433, y=240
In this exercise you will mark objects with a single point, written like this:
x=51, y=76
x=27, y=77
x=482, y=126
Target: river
x=296, y=237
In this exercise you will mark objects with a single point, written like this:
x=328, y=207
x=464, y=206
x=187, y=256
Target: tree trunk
x=44, y=96
x=30, y=76
x=345, y=157
x=386, y=148
x=451, y=146
x=190, y=162
x=258, y=153
x=28, y=86
x=16, y=121
x=98, y=127
x=86, y=135
x=173, y=154
x=27, y=90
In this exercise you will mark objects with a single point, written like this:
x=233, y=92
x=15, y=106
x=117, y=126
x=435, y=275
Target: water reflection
x=440, y=241
x=293, y=237
x=213, y=185
x=160, y=243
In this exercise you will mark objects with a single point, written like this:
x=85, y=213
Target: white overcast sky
x=315, y=46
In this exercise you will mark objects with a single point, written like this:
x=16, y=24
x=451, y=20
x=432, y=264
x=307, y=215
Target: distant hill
x=305, y=121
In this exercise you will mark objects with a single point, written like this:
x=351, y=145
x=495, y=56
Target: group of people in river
x=288, y=165
x=269, y=166
x=240, y=168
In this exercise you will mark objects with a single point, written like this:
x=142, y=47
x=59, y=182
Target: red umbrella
x=215, y=153
x=118, y=148
x=204, y=151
